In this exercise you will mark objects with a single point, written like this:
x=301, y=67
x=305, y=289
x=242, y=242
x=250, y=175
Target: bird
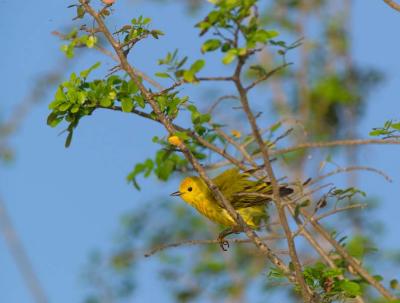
x=247, y=196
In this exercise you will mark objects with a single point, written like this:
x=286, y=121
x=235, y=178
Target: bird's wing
x=243, y=192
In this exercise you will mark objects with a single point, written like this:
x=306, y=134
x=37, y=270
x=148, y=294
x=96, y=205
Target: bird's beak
x=175, y=194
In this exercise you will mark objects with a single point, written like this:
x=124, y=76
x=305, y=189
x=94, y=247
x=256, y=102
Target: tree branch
x=332, y=144
x=393, y=4
x=305, y=291
x=267, y=76
x=352, y=262
x=327, y=214
x=349, y=169
x=156, y=249
x=171, y=129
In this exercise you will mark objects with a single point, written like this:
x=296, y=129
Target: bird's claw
x=224, y=244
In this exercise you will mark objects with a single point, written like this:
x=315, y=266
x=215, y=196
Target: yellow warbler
x=248, y=198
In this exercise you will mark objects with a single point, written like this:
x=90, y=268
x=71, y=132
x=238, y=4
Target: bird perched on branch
x=248, y=197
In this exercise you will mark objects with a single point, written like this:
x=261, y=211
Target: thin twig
x=327, y=214
x=393, y=4
x=350, y=142
x=267, y=76
x=204, y=242
x=236, y=145
x=219, y=100
x=349, y=169
x=340, y=209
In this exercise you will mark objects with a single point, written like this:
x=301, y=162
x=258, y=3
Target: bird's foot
x=224, y=244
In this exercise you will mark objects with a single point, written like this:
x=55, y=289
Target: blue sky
x=65, y=203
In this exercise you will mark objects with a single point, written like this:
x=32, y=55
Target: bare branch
x=349, y=169
x=333, y=144
x=219, y=100
x=267, y=76
x=327, y=214
x=393, y=4
x=204, y=242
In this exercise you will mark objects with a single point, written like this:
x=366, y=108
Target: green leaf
x=394, y=284
x=85, y=73
x=230, y=56
x=210, y=45
x=263, y=36
x=64, y=106
x=377, y=132
x=127, y=105
x=156, y=33
x=53, y=120
x=75, y=108
x=396, y=126
x=182, y=135
x=106, y=102
x=162, y=75
x=91, y=41
x=189, y=75
x=68, y=50
x=276, y=126
x=80, y=12
x=69, y=139
x=139, y=100
x=332, y=272
x=197, y=66
x=357, y=246
x=146, y=168
x=352, y=289
x=59, y=96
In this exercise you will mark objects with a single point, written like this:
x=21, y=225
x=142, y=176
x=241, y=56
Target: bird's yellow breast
x=209, y=208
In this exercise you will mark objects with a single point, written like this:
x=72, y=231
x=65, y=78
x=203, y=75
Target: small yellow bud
x=237, y=134
x=108, y=2
x=174, y=140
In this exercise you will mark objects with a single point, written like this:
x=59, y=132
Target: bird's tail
x=285, y=191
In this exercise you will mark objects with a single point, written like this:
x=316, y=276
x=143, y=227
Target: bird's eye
x=190, y=188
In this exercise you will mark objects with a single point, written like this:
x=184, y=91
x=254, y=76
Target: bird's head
x=191, y=189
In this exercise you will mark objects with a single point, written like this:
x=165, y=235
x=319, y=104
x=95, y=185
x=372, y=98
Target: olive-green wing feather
x=243, y=192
